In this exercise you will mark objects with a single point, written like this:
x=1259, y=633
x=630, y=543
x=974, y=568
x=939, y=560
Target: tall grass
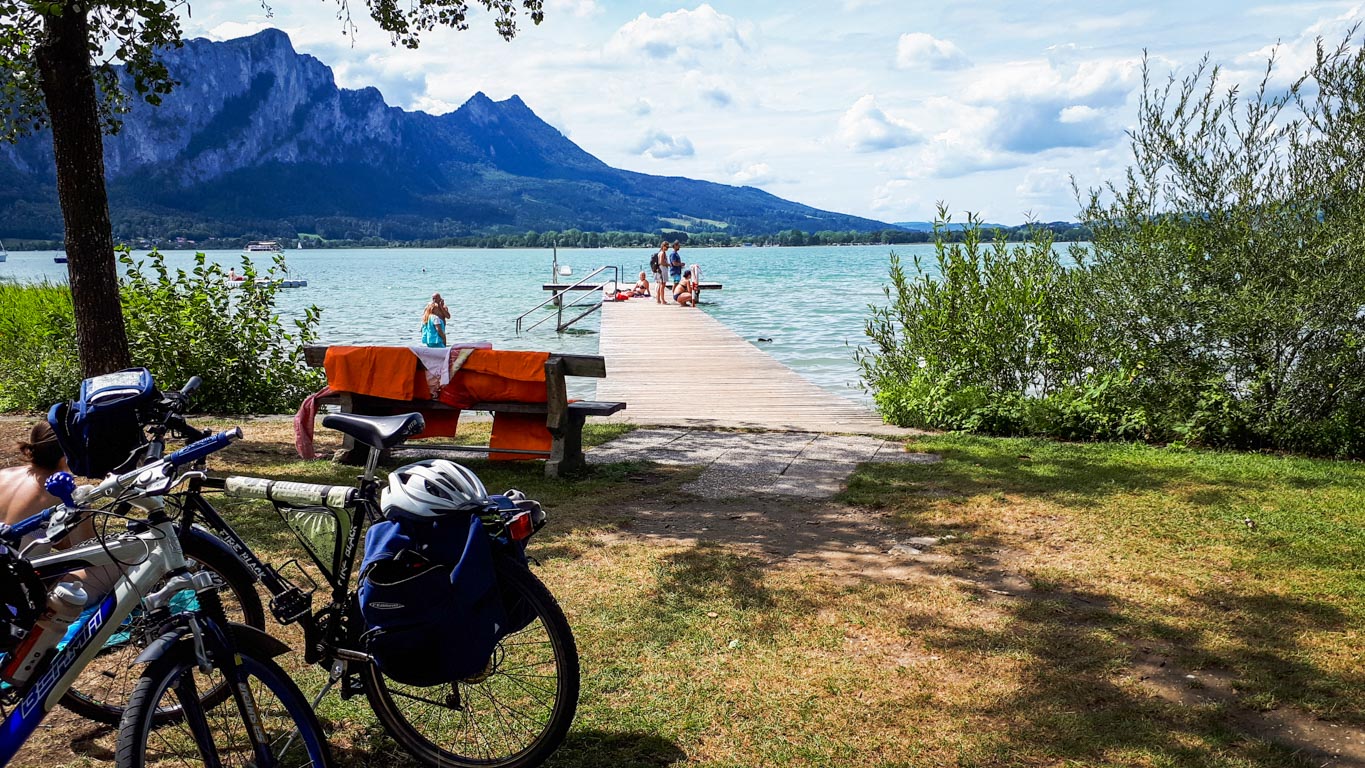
x=38, y=363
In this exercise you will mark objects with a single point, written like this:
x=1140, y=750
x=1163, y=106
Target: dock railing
x=558, y=298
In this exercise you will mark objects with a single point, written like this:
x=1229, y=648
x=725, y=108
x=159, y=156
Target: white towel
x=436, y=361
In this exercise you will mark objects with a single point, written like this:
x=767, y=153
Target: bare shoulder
x=21, y=495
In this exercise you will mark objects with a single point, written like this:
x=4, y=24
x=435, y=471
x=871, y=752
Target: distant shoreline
x=577, y=240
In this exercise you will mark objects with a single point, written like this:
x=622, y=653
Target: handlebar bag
x=429, y=597
x=100, y=430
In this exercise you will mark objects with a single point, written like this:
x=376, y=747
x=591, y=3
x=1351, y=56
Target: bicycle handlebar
x=117, y=484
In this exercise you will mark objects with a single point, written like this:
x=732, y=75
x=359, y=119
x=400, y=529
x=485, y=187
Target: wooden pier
x=679, y=365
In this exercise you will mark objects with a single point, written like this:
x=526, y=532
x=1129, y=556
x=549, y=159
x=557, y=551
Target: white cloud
x=866, y=128
x=754, y=175
x=642, y=107
x=709, y=89
x=577, y=8
x=680, y=34
x=916, y=50
x=234, y=29
x=1044, y=183
x=1065, y=100
x=1078, y=113
x=659, y=145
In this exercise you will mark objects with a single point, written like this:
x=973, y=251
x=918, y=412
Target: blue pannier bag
x=100, y=430
x=429, y=597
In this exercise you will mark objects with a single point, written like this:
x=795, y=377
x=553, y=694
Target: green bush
x=184, y=324
x=1221, y=303
x=179, y=324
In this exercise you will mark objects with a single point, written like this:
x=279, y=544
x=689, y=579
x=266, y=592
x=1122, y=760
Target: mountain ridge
x=259, y=138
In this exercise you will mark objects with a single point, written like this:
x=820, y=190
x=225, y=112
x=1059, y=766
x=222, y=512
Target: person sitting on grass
x=21, y=488
x=685, y=291
x=23, y=494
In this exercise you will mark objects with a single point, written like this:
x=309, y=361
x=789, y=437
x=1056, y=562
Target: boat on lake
x=278, y=282
x=264, y=246
x=59, y=259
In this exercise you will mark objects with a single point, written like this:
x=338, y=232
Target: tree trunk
x=68, y=87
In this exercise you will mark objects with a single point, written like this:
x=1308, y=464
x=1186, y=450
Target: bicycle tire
x=148, y=740
x=102, y=688
x=431, y=741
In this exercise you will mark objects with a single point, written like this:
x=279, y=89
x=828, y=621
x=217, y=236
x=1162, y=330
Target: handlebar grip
x=190, y=386
x=28, y=525
x=198, y=450
x=61, y=485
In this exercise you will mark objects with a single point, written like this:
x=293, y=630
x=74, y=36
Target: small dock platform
x=598, y=286
x=680, y=366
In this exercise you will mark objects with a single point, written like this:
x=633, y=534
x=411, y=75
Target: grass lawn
x=1091, y=605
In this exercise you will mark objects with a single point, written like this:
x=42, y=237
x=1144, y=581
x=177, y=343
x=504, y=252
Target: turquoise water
x=812, y=302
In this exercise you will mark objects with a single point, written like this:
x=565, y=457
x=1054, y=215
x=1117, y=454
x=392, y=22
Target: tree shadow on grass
x=1083, y=659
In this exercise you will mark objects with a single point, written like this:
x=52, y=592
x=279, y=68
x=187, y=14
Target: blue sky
x=878, y=108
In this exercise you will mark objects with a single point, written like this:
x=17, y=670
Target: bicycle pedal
x=291, y=605
x=351, y=686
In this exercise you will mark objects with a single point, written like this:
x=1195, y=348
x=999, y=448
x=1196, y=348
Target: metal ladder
x=558, y=298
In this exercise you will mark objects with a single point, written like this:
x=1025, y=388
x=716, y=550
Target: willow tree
x=59, y=69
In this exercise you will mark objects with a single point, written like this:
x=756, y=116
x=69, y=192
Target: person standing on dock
x=434, y=319
x=675, y=265
x=658, y=264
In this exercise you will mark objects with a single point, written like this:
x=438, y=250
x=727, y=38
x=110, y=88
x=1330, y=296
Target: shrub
x=183, y=324
x=1222, y=301
x=179, y=324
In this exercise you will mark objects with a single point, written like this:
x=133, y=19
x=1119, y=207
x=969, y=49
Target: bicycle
x=188, y=641
x=514, y=714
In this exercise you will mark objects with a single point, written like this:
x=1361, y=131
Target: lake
x=812, y=302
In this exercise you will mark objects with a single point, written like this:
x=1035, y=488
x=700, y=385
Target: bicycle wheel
x=515, y=714
x=217, y=734
x=102, y=688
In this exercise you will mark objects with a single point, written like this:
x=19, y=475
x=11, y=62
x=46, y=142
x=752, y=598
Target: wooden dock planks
x=679, y=365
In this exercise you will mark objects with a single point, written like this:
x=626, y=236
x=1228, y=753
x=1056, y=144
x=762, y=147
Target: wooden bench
x=563, y=418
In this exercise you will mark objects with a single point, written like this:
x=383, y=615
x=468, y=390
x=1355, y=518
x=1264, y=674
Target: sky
x=877, y=108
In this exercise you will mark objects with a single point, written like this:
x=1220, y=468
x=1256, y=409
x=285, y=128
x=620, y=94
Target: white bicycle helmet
x=428, y=489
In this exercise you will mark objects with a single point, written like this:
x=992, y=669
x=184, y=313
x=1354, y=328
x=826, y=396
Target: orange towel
x=497, y=376
x=520, y=431
x=390, y=372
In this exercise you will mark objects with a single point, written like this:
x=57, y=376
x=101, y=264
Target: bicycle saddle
x=378, y=432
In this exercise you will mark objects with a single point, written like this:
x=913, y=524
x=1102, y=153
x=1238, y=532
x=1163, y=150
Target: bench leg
x=566, y=452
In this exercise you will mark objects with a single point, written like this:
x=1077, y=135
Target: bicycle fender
x=159, y=646
x=242, y=634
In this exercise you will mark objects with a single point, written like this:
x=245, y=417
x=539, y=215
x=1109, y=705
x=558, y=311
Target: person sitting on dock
x=233, y=276
x=685, y=292
x=641, y=286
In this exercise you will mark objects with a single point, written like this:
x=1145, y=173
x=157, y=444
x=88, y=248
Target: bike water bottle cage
x=432, y=488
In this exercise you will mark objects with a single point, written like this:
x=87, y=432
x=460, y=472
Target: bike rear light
x=520, y=527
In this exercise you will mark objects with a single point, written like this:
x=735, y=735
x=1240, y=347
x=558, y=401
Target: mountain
x=928, y=226
x=258, y=138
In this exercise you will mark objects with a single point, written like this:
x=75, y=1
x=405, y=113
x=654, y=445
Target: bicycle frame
x=360, y=505
x=157, y=552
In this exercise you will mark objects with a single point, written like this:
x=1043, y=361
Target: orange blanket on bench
x=488, y=375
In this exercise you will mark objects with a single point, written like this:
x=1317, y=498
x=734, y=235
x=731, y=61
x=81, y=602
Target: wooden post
x=556, y=415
